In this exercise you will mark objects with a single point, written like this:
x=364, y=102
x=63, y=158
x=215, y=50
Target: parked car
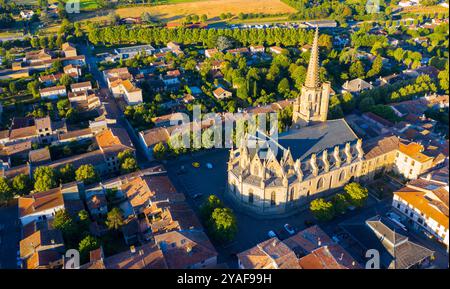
x=209, y=165
x=289, y=229
x=272, y=234
x=196, y=164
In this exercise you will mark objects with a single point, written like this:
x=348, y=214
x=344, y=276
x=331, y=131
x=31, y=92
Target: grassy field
x=212, y=8
x=425, y=9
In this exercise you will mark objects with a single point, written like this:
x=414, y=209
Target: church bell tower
x=312, y=104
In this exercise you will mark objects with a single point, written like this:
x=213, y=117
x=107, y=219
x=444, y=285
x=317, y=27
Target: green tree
x=340, y=203
x=6, y=192
x=160, y=151
x=321, y=209
x=208, y=207
x=356, y=70
x=129, y=165
x=21, y=184
x=67, y=173
x=223, y=43
x=65, y=80
x=357, y=194
x=224, y=224
x=64, y=222
x=86, y=245
x=44, y=178
x=366, y=103
x=284, y=87
x=114, y=219
x=86, y=174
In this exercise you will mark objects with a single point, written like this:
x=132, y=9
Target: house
x=43, y=205
x=130, y=52
x=26, y=14
x=311, y=248
x=44, y=249
x=73, y=71
x=356, y=86
x=143, y=191
x=395, y=249
x=175, y=48
x=147, y=256
x=81, y=86
x=38, y=56
x=53, y=92
x=405, y=3
x=97, y=205
x=276, y=49
x=69, y=50
x=424, y=203
x=131, y=93
x=209, y=53
x=242, y=50
x=257, y=48
x=189, y=249
x=413, y=160
x=168, y=119
x=39, y=157
x=111, y=142
x=50, y=79
x=84, y=100
x=221, y=93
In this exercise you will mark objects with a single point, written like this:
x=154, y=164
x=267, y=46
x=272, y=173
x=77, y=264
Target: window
x=342, y=176
x=398, y=205
x=413, y=163
x=320, y=183
x=273, y=198
x=406, y=210
x=406, y=159
x=291, y=195
x=250, y=196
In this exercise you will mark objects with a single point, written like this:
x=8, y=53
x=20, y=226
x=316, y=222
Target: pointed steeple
x=312, y=76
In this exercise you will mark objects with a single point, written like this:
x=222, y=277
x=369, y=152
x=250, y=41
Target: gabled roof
x=183, y=249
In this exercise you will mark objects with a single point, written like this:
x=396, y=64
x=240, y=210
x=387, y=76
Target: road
x=114, y=108
x=9, y=236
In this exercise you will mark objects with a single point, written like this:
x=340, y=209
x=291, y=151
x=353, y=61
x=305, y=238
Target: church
x=314, y=158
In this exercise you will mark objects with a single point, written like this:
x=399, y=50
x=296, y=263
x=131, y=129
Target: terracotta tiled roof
x=40, y=202
x=328, y=257
x=425, y=205
x=414, y=150
x=183, y=249
x=39, y=155
x=148, y=256
x=379, y=146
x=39, y=239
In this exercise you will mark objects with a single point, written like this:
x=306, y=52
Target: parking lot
x=9, y=236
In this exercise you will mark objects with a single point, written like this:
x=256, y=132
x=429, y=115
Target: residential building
x=356, y=86
x=69, y=49
x=130, y=52
x=221, y=93
x=53, y=92
x=423, y=203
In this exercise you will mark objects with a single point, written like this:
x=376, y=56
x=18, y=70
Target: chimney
x=319, y=242
x=132, y=249
x=429, y=177
x=141, y=252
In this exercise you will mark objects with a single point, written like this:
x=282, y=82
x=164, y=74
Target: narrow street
x=114, y=108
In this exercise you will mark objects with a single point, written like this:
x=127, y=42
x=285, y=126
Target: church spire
x=312, y=76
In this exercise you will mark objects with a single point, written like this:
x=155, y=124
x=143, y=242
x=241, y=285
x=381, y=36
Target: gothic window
x=255, y=170
x=342, y=176
x=320, y=183
x=291, y=194
x=273, y=198
x=250, y=196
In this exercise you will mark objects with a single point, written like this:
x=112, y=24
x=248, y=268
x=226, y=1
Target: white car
x=209, y=165
x=289, y=229
x=272, y=234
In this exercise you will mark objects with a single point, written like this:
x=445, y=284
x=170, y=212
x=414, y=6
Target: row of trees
x=123, y=35
x=355, y=195
x=46, y=178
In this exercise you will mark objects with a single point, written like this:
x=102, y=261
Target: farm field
x=212, y=8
